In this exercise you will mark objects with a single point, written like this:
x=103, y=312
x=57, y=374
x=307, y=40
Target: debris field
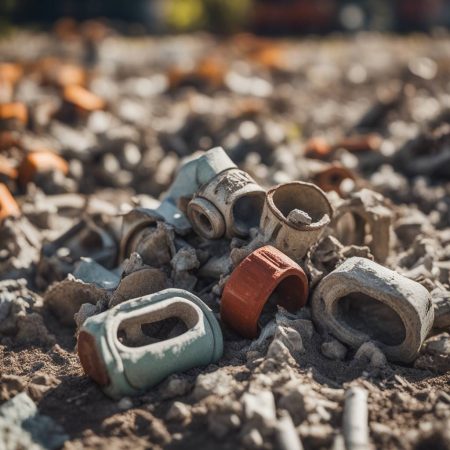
x=224, y=243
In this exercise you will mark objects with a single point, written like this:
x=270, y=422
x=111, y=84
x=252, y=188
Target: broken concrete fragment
x=19, y=248
x=179, y=412
x=435, y=355
x=15, y=300
x=65, y=298
x=299, y=217
x=137, y=284
x=21, y=426
x=259, y=406
x=185, y=259
x=362, y=301
x=155, y=245
x=218, y=383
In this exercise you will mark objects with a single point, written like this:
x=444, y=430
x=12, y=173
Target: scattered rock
x=371, y=353
x=179, y=412
x=333, y=350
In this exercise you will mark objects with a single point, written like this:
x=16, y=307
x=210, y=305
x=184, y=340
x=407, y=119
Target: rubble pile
x=235, y=243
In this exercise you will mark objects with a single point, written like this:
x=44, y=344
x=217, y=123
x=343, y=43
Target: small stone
x=11, y=385
x=291, y=339
x=175, y=387
x=299, y=217
x=221, y=424
x=218, y=383
x=333, y=350
x=252, y=440
x=369, y=351
x=260, y=405
x=185, y=259
x=179, y=412
x=86, y=310
x=124, y=404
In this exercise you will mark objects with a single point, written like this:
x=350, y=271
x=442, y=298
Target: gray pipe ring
x=363, y=301
x=295, y=239
x=233, y=194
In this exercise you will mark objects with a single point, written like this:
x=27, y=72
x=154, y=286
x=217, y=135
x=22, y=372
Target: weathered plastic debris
x=291, y=236
x=117, y=349
x=363, y=301
x=228, y=203
x=266, y=276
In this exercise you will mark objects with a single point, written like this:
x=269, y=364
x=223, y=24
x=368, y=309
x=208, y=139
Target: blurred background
x=273, y=17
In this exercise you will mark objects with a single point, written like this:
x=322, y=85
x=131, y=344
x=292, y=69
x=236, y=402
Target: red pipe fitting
x=262, y=273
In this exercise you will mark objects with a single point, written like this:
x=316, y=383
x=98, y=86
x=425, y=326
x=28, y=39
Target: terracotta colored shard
x=264, y=272
x=90, y=359
x=82, y=99
x=10, y=72
x=41, y=162
x=317, y=148
x=14, y=111
x=7, y=169
x=361, y=143
x=331, y=178
x=8, y=206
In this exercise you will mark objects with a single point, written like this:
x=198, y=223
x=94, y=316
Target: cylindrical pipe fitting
x=364, y=208
x=264, y=272
x=207, y=218
x=122, y=350
x=235, y=196
x=294, y=234
x=363, y=301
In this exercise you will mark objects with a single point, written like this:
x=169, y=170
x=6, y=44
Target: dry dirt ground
x=395, y=86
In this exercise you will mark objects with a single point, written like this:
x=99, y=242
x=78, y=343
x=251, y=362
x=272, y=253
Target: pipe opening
x=247, y=212
x=203, y=222
x=306, y=198
x=371, y=317
x=156, y=326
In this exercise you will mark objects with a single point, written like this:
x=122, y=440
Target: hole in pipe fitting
x=247, y=212
x=371, y=317
x=203, y=222
x=286, y=294
x=157, y=326
x=308, y=199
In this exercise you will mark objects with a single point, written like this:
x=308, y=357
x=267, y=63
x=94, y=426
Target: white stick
x=355, y=420
x=287, y=436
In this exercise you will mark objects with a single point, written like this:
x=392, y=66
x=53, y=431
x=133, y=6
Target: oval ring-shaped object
x=295, y=239
x=251, y=284
x=122, y=369
x=363, y=301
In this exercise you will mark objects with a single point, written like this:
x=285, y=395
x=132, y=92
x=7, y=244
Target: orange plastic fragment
x=40, y=162
x=8, y=205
